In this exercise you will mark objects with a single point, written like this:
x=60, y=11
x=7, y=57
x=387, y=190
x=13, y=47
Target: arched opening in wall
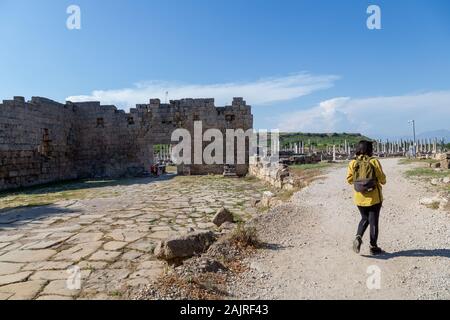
x=162, y=155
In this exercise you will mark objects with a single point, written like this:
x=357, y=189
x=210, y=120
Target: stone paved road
x=110, y=238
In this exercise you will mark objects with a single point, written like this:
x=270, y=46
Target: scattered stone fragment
x=184, y=246
x=267, y=198
x=438, y=201
x=223, y=215
x=255, y=202
x=435, y=165
x=434, y=182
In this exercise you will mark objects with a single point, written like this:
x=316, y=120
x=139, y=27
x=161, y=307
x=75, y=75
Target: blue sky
x=302, y=65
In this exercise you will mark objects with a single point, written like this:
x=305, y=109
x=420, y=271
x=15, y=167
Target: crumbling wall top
x=42, y=100
x=239, y=101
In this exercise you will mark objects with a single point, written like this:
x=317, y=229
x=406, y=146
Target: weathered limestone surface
x=185, y=246
x=275, y=174
x=43, y=141
x=445, y=162
x=223, y=215
x=26, y=255
x=22, y=290
x=13, y=278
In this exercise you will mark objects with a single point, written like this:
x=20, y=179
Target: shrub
x=245, y=236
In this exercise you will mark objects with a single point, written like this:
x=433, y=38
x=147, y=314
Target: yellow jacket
x=371, y=198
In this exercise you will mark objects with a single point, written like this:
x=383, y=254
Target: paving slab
x=78, y=252
x=14, y=277
x=103, y=255
x=53, y=297
x=23, y=290
x=47, y=265
x=60, y=288
x=27, y=255
x=114, y=245
x=57, y=274
x=9, y=268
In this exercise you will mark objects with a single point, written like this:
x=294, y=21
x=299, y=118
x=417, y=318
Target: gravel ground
x=309, y=241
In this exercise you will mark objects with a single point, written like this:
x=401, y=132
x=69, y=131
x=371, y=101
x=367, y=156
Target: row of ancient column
x=421, y=146
x=301, y=147
x=398, y=147
x=164, y=153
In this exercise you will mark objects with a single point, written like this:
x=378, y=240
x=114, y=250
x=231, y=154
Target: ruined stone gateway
x=44, y=141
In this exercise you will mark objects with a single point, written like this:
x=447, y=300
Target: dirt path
x=310, y=257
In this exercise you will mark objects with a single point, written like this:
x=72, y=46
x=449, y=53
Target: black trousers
x=370, y=216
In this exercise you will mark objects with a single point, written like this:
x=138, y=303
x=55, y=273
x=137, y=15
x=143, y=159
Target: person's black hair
x=364, y=148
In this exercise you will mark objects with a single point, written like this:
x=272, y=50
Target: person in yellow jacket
x=370, y=202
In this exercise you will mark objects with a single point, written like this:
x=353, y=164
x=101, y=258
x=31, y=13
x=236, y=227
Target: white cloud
x=259, y=92
x=376, y=116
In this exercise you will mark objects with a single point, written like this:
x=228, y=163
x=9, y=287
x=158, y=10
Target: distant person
x=366, y=175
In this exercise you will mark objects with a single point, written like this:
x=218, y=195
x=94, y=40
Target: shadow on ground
x=273, y=246
x=25, y=214
x=49, y=194
x=84, y=184
x=417, y=253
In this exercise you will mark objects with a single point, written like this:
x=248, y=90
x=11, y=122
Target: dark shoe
x=375, y=251
x=357, y=244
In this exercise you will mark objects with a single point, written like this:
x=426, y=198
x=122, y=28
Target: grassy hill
x=321, y=140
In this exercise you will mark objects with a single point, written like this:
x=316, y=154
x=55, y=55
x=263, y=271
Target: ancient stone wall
x=164, y=118
x=44, y=141
x=275, y=174
x=445, y=161
x=109, y=142
x=37, y=142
